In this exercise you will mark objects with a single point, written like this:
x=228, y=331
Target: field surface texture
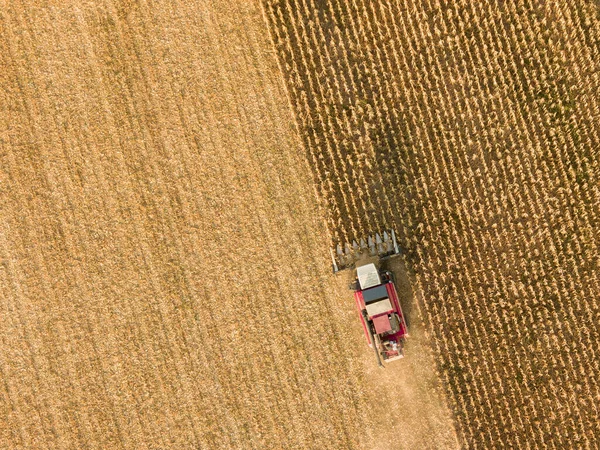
x=473, y=129
x=164, y=280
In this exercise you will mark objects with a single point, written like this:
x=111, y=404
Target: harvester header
x=378, y=245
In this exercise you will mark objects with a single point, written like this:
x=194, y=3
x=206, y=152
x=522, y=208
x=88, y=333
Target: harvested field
x=472, y=128
x=164, y=280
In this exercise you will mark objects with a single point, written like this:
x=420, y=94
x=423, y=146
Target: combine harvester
x=375, y=293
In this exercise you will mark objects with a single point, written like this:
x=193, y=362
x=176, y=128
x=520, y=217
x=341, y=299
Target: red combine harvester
x=375, y=294
x=380, y=312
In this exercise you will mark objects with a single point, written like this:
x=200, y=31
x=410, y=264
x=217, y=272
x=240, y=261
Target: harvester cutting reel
x=380, y=245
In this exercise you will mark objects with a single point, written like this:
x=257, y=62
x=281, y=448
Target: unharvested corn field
x=473, y=129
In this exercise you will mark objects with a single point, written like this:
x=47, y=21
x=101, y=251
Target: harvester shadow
x=403, y=287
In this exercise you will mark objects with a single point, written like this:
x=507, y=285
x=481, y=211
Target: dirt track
x=163, y=281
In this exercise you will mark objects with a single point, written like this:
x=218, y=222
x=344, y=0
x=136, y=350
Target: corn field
x=473, y=129
x=163, y=273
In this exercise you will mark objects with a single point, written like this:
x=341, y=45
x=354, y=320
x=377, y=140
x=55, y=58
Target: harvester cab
x=375, y=294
